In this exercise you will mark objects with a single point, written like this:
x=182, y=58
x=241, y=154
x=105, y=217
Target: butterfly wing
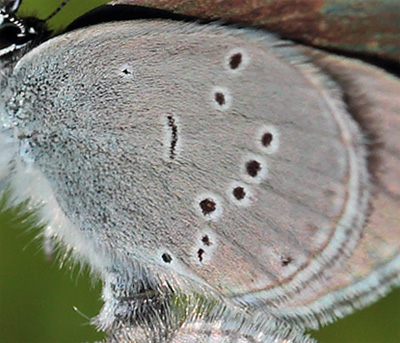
x=246, y=176
x=369, y=26
x=205, y=332
x=374, y=266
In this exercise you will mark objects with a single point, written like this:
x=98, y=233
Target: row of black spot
x=167, y=258
x=235, y=61
x=253, y=167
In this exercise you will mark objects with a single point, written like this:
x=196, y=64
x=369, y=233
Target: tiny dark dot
x=239, y=193
x=166, y=258
x=267, y=139
x=126, y=71
x=207, y=206
x=206, y=240
x=311, y=228
x=286, y=260
x=235, y=60
x=200, y=254
x=220, y=98
x=253, y=168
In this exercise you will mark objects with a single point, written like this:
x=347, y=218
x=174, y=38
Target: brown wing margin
x=368, y=27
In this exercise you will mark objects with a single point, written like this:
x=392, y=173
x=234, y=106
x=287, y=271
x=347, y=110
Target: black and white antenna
x=18, y=33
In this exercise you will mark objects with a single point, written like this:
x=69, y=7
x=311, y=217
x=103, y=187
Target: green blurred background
x=37, y=298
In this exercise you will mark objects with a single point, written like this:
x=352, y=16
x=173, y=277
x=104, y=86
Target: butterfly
x=303, y=196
